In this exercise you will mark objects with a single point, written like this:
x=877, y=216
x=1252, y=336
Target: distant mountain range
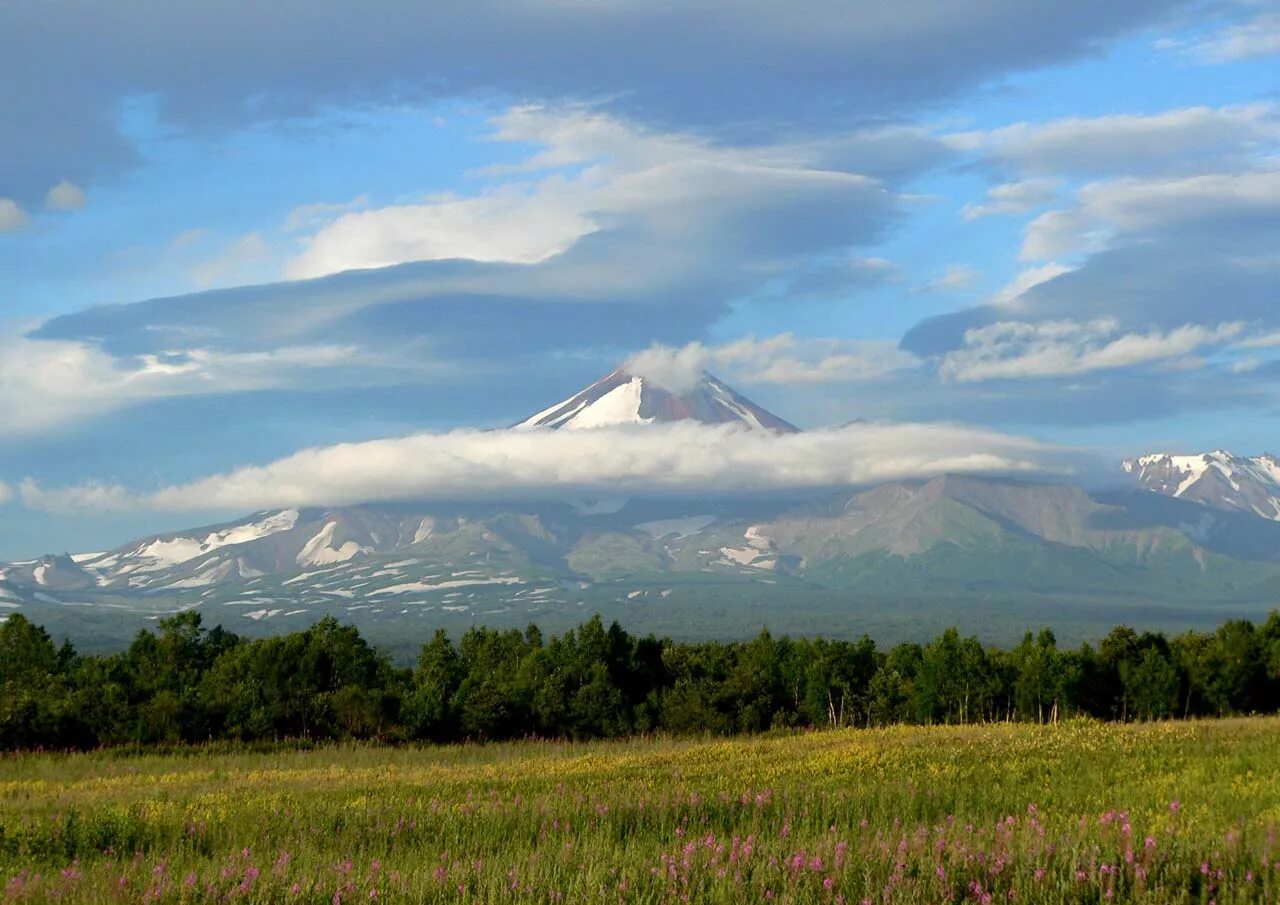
x=1218, y=479
x=995, y=556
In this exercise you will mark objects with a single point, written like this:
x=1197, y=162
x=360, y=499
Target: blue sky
x=230, y=234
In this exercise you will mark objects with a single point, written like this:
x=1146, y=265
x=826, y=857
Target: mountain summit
x=623, y=397
x=1218, y=479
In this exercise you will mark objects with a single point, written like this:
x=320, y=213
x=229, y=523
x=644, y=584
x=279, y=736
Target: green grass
x=1081, y=812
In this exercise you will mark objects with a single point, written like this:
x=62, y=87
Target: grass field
x=1082, y=812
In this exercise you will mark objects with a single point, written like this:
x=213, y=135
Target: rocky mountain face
x=1218, y=479
x=56, y=573
x=622, y=397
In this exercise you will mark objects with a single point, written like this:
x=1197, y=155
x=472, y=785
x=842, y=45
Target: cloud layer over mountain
x=680, y=457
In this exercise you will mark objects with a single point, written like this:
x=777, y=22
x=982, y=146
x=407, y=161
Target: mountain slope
x=622, y=397
x=946, y=547
x=1218, y=479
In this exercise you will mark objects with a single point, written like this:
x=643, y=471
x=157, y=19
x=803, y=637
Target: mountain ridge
x=952, y=538
x=1218, y=479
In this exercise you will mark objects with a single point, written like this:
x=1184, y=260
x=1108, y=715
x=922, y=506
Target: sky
x=301, y=253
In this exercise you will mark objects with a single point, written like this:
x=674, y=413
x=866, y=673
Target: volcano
x=623, y=397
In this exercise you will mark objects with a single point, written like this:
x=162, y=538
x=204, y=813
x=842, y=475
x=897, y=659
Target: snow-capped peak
x=1217, y=478
x=622, y=397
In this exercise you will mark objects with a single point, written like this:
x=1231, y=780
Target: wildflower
x=250, y=875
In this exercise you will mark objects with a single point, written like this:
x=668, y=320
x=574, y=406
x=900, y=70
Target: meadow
x=1081, y=811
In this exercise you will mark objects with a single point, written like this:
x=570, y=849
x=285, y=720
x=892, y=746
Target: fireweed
x=1080, y=812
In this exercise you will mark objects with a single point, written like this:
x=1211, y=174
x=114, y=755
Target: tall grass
x=1080, y=812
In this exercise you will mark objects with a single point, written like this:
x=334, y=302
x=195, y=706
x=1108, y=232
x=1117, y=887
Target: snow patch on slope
x=243, y=534
x=413, y=586
x=164, y=553
x=621, y=405
x=319, y=551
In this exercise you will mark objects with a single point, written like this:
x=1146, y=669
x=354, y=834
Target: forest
x=187, y=683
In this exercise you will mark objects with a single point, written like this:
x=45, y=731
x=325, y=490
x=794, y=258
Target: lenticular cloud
x=680, y=457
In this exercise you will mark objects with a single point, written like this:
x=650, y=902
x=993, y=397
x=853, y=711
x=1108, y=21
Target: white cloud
x=313, y=216
x=187, y=238
x=1263, y=341
x=65, y=196
x=578, y=135
x=1102, y=210
x=92, y=496
x=1013, y=198
x=785, y=359
x=12, y=217
x=672, y=457
x=6, y=493
x=674, y=369
x=1015, y=349
x=780, y=359
x=1026, y=279
x=956, y=276
x=46, y=384
x=509, y=225
x=874, y=265
x=680, y=194
x=235, y=263
x=1260, y=37
x=682, y=227
x=1131, y=143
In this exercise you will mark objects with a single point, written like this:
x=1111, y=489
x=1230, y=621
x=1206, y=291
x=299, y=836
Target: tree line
x=186, y=683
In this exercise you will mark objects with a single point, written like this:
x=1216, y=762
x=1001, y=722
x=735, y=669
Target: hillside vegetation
x=186, y=684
